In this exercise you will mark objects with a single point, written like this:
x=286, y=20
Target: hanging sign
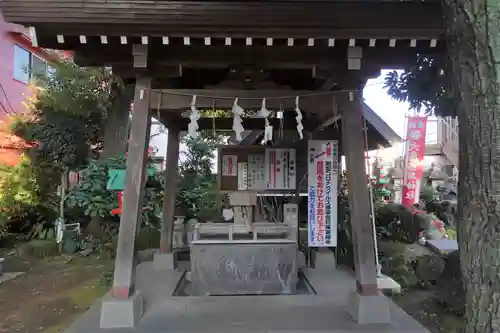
x=229, y=165
x=256, y=176
x=280, y=169
x=322, y=182
x=242, y=176
x=413, y=168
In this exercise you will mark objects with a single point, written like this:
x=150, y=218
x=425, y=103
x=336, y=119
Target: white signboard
x=322, y=192
x=280, y=169
x=229, y=165
x=242, y=176
x=256, y=174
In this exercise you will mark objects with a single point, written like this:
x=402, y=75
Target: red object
x=415, y=149
x=118, y=211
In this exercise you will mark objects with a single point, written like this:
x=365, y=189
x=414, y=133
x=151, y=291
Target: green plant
x=92, y=198
x=21, y=207
x=427, y=193
x=66, y=115
x=451, y=233
x=396, y=265
x=198, y=196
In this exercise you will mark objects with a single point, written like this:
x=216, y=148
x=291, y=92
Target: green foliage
x=42, y=248
x=67, y=114
x=427, y=194
x=93, y=199
x=198, y=195
x=21, y=207
x=424, y=84
x=451, y=233
x=395, y=264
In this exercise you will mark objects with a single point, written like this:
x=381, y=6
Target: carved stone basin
x=243, y=267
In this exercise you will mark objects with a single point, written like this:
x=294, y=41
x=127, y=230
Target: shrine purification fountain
x=279, y=56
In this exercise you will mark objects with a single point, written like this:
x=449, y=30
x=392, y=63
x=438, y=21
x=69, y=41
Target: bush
x=396, y=264
x=40, y=248
x=21, y=208
x=92, y=198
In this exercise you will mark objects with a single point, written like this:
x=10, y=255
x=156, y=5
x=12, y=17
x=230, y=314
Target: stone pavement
x=324, y=312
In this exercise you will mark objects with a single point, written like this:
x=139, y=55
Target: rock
x=145, y=255
x=86, y=252
x=429, y=267
x=410, y=264
x=450, y=289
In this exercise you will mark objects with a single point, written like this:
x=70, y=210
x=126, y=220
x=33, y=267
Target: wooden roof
x=296, y=18
x=297, y=44
x=271, y=46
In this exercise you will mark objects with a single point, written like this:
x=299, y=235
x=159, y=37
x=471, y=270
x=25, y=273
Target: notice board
x=257, y=169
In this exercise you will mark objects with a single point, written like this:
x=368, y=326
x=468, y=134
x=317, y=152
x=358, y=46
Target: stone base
x=239, y=268
x=9, y=276
x=386, y=283
x=370, y=309
x=325, y=260
x=118, y=313
x=163, y=261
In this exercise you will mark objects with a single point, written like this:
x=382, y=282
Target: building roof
x=380, y=125
x=386, y=135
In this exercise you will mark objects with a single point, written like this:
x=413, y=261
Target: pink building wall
x=14, y=91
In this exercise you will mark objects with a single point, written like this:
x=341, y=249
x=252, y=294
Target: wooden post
x=359, y=201
x=124, y=278
x=170, y=191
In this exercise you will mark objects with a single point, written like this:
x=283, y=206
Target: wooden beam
x=278, y=56
x=154, y=71
x=359, y=201
x=140, y=54
x=313, y=102
x=226, y=124
x=170, y=191
x=124, y=278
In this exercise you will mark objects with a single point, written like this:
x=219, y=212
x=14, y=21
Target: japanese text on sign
x=322, y=193
x=415, y=149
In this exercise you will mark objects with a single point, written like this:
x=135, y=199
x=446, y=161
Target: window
x=22, y=60
x=38, y=66
x=28, y=66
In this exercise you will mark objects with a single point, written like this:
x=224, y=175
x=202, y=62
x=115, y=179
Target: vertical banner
x=280, y=169
x=414, y=156
x=229, y=165
x=323, y=169
x=242, y=176
x=256, y=170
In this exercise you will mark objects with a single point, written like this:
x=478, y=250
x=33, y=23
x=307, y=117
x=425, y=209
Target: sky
x=391, y=111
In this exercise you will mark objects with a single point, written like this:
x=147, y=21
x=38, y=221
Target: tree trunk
x=117, y=125
x=474, y=48
x=116, y=133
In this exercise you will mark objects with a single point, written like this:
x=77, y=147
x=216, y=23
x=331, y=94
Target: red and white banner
x=322, y=181
x=280, y=169
x=414, y=156
x=229, y=165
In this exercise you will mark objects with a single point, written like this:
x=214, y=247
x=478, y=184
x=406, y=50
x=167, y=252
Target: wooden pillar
x=170, y=190
x=124, y=278
x=359, y=199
